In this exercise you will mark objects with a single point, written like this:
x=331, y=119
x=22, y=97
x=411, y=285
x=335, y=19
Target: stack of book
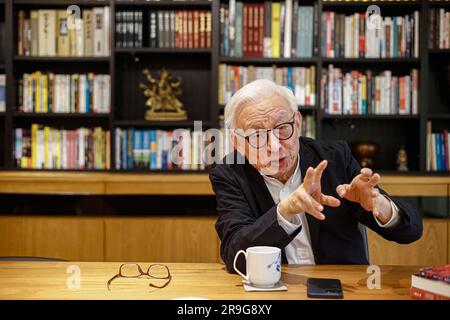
x=431, y=283
x=308, y=126
x=2, y=93
x=49, y=32
x=301, y=80
x=180, y=149
x=351, y=36
x=268, y=29
x=72, y=93
x=129, y=29
x=438, y=155
x=439, y=29
x=180, y=29
x=43, y=147
x=362, y=92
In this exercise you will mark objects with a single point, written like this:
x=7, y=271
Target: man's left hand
x=362, y=190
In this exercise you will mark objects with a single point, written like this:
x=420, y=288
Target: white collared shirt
x=299, y=250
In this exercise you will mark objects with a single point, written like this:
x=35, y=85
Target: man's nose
x=273, y=143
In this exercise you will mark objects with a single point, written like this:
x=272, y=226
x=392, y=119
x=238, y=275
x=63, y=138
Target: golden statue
x=162, y=94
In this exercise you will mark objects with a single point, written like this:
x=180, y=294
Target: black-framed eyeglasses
x=160, y=273
x=260, y=138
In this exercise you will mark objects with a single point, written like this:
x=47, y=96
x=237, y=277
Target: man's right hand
x=308, y=197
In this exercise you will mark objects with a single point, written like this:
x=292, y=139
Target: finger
x=374, y=180
x=375, y=193
x=375, y=212
x=319, y=170
x=308, y=180
x=329, y=201
x=312, y=207
x=366, y=172
x=342, y=189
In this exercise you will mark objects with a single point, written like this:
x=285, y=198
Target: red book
x=184, y=31
x=177, y=29
x=255, y=30
x=250, y=30
x=190, y=29
x=261, y=30
x=202, y=30
x=419, y=294
x=441, y=272
x=196, y=29
x=245, y=51
x=362, y=35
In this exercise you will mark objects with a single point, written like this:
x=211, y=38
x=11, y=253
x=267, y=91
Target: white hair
x=255, y=92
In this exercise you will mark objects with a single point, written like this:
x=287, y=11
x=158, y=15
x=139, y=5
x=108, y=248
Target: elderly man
x=304, y=196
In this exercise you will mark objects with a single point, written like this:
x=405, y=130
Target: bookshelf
x=199, y=69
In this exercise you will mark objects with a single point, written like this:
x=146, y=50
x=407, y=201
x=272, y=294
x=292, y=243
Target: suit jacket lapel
x=308, y=158
x=259, y=188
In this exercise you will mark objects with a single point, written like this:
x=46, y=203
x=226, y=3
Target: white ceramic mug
x=263, y=265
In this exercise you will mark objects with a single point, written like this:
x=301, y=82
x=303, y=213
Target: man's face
x=277, y=157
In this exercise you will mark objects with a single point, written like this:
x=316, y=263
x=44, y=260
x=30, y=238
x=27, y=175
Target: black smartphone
x=324, y=288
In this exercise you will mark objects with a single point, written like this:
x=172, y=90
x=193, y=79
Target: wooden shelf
x=400, y=4
x=371, y=116
x=443, y=116
x=256, y=60
x=163, y=50
x=158, y=124
x=112, y=183
x=439, y=52
x=103, y=183
x=300, y=108
x=50, y=115
x=162, y=3
x=372, y=61
x=59, y=58
x=60, y=3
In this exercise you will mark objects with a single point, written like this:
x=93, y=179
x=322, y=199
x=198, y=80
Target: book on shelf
x=183, y=29
x=431, y=283
x=439, y=27
x=2, y=93
x=44, y=147
x=301, y=80
x=129, y=29
x=267, y=29
x=180, y=149
x=438, y=149
x=362, y=92
x=351, y=36
x=308, y=126
x=64, y=93
x=51, y=32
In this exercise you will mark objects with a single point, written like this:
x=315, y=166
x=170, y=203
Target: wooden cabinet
x=70, y=238
x=175, y=239
x=433, y=248
x=161, y=239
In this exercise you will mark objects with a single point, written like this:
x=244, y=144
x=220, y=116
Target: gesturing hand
x=308, y=197
x=362, y=190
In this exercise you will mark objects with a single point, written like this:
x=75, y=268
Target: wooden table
x=48, y=280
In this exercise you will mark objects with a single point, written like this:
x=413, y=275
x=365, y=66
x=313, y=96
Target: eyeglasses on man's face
x=260, y=138
x=159, y=274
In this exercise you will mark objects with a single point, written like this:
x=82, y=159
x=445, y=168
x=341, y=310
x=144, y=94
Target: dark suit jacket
x=248, y=214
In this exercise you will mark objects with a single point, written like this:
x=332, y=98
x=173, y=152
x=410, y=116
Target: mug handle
x=234, y=263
